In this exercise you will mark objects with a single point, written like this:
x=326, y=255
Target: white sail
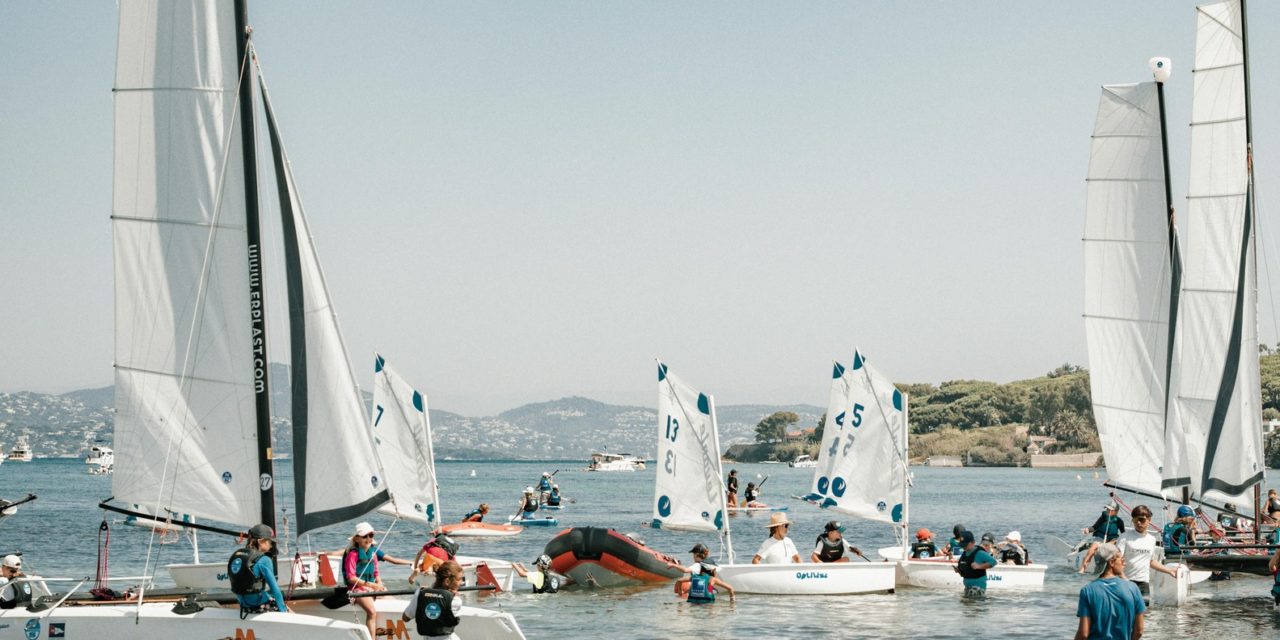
x=402, y=435
x=688, y=494
x=1215, y=448
x=185, y=424
x=1129, y=285
x=862, y=466
x=337, y=475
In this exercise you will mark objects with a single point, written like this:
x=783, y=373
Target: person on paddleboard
x=544, y=483
x=477, y=514
x=434, y=553
x=972, y=566
x=923, y=547
x=731, y=488
x=1111, y=606
x=831, y=545
x=553, y=498
x=528, y=503
x=700, y=585
x=360, y=571
x=252, y=572
x=435, y=610
x=777, y=548
x=751, y=497
x=542, y=579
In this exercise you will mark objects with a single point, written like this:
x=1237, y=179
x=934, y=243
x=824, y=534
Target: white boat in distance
x=803, y=461
x=615, y=462
x=21, y=452
x=101, y=460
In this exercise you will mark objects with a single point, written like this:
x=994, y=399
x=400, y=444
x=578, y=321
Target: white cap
x=545, y=474
x=364, y=529
x=13, y=562
x=1015, y=536
x=528, y=489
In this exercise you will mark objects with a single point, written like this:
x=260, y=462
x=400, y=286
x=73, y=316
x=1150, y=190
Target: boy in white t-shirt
x=1142, y=551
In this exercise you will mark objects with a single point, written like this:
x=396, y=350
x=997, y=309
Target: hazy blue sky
x=520, y=201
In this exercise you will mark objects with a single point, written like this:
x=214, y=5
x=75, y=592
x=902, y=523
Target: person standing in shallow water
x=972, y=566
x=1111, y=606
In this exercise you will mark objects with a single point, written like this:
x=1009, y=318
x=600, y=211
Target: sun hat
x=833, y=525
x=261, y=532
x=965, y=537
x=545, y=474
x=1106, y=553
x=924, y=534
x=777, y=520
x=699, y=548
x=364, y=529
x=528, y=489
x=13, y=562
x=1185, y=511
x=1015, y=536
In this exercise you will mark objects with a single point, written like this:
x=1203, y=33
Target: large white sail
x=1129, y=285
x=402, y=435
x=185, y=423
x=337, y=474
x=862, y=463
x=688, y=494
x=1215, y=448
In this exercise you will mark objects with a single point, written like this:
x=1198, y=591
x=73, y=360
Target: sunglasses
x=367, y=536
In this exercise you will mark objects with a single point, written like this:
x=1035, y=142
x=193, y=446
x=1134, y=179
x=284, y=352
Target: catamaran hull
x=941, y=574
x=212, y=576
x=806, y=579
x=157, y=621
x=480, y=530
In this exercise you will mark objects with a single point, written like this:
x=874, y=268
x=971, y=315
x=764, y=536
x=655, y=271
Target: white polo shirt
x=775, y=551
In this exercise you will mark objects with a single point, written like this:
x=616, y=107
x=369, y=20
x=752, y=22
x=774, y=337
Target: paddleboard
x=533, y=522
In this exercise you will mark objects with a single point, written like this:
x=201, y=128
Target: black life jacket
x=240, y=571
x=733, y=485
x=923, y=550
x=1013, y=553
x=530, y=504
x=21, y=594
x=752, y=494
x=550, y=583
x=965, y=565
x=446, y=544
x=434, y=613
x=553, y=499
x=474, y=512
x=831, y=551
x=701, y=588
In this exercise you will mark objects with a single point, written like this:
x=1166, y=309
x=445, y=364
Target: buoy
x=1078, y=477
x=473, y=473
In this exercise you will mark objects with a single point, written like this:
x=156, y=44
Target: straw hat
x=777, y=520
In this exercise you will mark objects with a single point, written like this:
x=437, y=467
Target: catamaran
x=688, y=497
x=193, y=419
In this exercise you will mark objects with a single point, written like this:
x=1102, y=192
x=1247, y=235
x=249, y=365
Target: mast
x=1251, y=208
x=906, y=478
x=257, y=300
x=724, y=500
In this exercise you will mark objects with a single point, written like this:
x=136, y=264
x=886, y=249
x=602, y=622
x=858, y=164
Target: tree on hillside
x=774, y=428
x=817, y=431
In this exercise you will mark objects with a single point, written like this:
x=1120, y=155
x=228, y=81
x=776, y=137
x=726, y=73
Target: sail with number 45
x=862, y=461
x=688, y=494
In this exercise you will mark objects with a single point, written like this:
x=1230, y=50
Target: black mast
x=1250, y=207
x=257, y=302
x=1175, y=263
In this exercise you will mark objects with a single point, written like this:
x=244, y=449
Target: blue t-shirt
x=265, y=571
x=980, y=556
x=1112, y=605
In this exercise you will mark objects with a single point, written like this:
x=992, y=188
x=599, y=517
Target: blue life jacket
x=1175, y=535
x=701, y=589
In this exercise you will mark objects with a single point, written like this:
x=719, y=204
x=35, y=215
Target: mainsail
x=1131, y=272
x=688, y=494
x=188, y=342
x=1215, y=446
x=402, y=434
x=862, y=463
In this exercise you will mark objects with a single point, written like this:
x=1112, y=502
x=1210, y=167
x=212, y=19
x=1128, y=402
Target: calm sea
x=59, y=537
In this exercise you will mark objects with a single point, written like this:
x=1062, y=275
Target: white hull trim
x=809, y=578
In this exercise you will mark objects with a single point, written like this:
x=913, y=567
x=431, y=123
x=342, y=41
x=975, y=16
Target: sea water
x=59, y=536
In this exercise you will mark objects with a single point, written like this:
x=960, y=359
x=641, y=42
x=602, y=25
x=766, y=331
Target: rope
x=104, y=549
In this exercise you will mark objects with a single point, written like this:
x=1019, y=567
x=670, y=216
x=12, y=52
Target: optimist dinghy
x=479, y=530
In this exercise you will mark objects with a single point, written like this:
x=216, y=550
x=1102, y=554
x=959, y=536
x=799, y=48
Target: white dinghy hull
x=806, y=579
x=941, y=574
x=157, y=621
x=476, y=624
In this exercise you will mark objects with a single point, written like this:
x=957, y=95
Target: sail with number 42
x=862, y=465
x=688, y=494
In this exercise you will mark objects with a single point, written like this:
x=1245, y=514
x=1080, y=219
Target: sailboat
x=863, y=472
x=689, y=497
x=193, y=421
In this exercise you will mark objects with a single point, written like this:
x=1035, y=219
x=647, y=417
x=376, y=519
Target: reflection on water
x=58, y=534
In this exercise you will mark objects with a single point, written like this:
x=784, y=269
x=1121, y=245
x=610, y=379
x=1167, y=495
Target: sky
x=515, y=202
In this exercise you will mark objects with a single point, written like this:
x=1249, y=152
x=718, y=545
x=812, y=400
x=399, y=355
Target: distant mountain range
x=66, y=424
